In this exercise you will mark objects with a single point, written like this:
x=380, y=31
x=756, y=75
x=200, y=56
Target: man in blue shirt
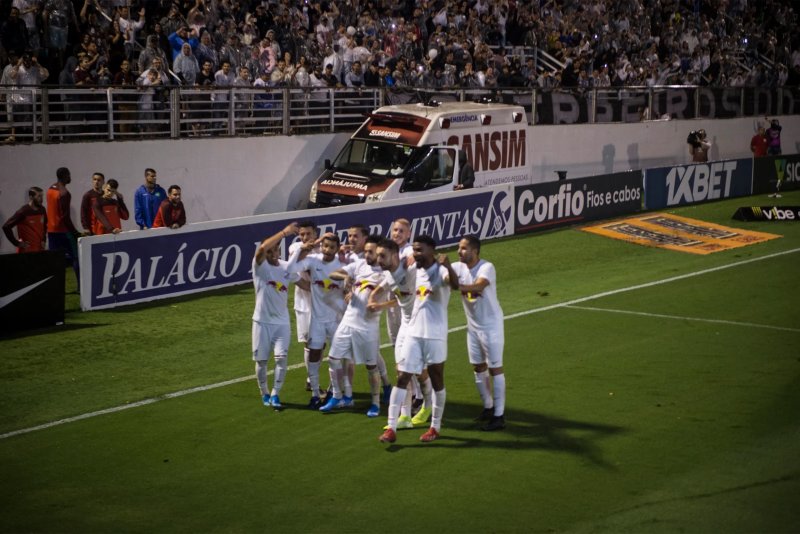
x=147, y=199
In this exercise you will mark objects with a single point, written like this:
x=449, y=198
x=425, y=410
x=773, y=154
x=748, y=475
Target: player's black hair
x=100, y=174
x=474, y=242
x=332, y=237
x=425, y=240
x=389, y=244
x=307, y=224
x=33, y=191
x=374, y=238
x=361, y=228
x=113, y=183
x=172, y=187
x=62, y=174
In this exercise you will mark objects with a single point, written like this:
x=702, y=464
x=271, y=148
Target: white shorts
x=485, y=347
x=398, y=343
x=302, y=322
x=394, y=318
x=270, y=338
x=350, y=343
x=320, y=332
x=419, y=352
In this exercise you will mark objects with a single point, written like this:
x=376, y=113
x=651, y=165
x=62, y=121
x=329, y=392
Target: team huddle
x=340, y=291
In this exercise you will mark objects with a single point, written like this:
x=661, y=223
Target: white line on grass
x=681, y=318
x=569, y=303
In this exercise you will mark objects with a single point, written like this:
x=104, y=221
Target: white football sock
x=261, y=376
x=313, y=377
x=499, y=386
x=375, y=385
x=427, y=388
x=334, y=370
x=414, y=385
x=396, y=399
x=482, y=383
x=382, y=370
x=405, y=409
x=439, y=398
x=280, y=373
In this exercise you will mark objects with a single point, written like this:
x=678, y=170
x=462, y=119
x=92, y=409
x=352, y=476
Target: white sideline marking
x=569, y=303
x=678, y=317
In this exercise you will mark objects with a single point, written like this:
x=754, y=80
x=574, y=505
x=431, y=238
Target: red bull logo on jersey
x=423, y=293
x=280, y=287
x=365, y=285
x=470, y=296
x=327, y=284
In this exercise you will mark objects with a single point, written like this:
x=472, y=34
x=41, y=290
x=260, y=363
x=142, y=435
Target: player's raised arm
x=273, y=241
x=452, y=277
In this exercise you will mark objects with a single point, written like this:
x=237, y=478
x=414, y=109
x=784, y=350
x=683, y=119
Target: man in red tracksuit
x=31, y=223
x=109, y=210
x=171, y=213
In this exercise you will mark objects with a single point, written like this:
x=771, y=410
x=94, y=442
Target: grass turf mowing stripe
x=567, y=304
x=680, y=318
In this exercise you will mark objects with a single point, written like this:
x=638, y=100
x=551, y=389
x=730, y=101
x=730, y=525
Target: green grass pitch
x=673, y=407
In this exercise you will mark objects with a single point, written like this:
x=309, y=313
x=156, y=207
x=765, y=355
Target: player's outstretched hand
x=291, y=229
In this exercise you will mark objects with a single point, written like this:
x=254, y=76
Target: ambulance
x=409, y=150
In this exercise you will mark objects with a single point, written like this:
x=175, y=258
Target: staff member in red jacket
x=31, y=223
x=171, y=213
x=109, y=210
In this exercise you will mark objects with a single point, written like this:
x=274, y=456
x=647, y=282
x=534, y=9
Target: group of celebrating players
x=341, y=291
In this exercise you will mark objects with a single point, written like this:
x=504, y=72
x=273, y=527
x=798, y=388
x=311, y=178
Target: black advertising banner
x=768, y=213
x=552, y=204
x=769, y=170
x=31, y=290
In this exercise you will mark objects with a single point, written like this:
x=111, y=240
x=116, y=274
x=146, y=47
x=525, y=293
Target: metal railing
x=59, y=114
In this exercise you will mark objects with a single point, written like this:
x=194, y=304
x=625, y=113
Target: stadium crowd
x=401, y=43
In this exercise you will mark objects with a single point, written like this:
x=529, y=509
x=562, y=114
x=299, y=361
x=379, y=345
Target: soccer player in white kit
x=358, y=335
x=400, y=283
x=425, y=339
x=357, y=236
x=477, y=282
x=400, y=233
x=271, y=330
x=327, y=301
x=302, y=291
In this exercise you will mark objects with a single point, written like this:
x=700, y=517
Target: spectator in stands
x=29, y=11
x=129, y=27
x=57, y=17
x=181, y=37
x=27, y=72
x=150, y=52
x=185, y=66
x=14, y=33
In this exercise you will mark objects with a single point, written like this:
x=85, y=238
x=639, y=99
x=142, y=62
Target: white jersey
x=483, y=309
x=401, y=285
x=327, y=298
x=272, y=292
x=302, y=297
x=365, y=278
x=432, y=294
x=406, y=251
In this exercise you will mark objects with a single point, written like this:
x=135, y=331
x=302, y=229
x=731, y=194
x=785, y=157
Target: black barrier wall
x=768, y=170
x=31, y=290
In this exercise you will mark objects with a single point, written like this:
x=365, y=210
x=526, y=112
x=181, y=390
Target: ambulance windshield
x=377, y=158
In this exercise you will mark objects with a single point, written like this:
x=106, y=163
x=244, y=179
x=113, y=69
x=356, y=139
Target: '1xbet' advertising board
x=697, y=182
x=549, y=205
x=146, y=265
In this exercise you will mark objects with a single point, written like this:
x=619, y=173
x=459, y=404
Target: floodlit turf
x=669, y=408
